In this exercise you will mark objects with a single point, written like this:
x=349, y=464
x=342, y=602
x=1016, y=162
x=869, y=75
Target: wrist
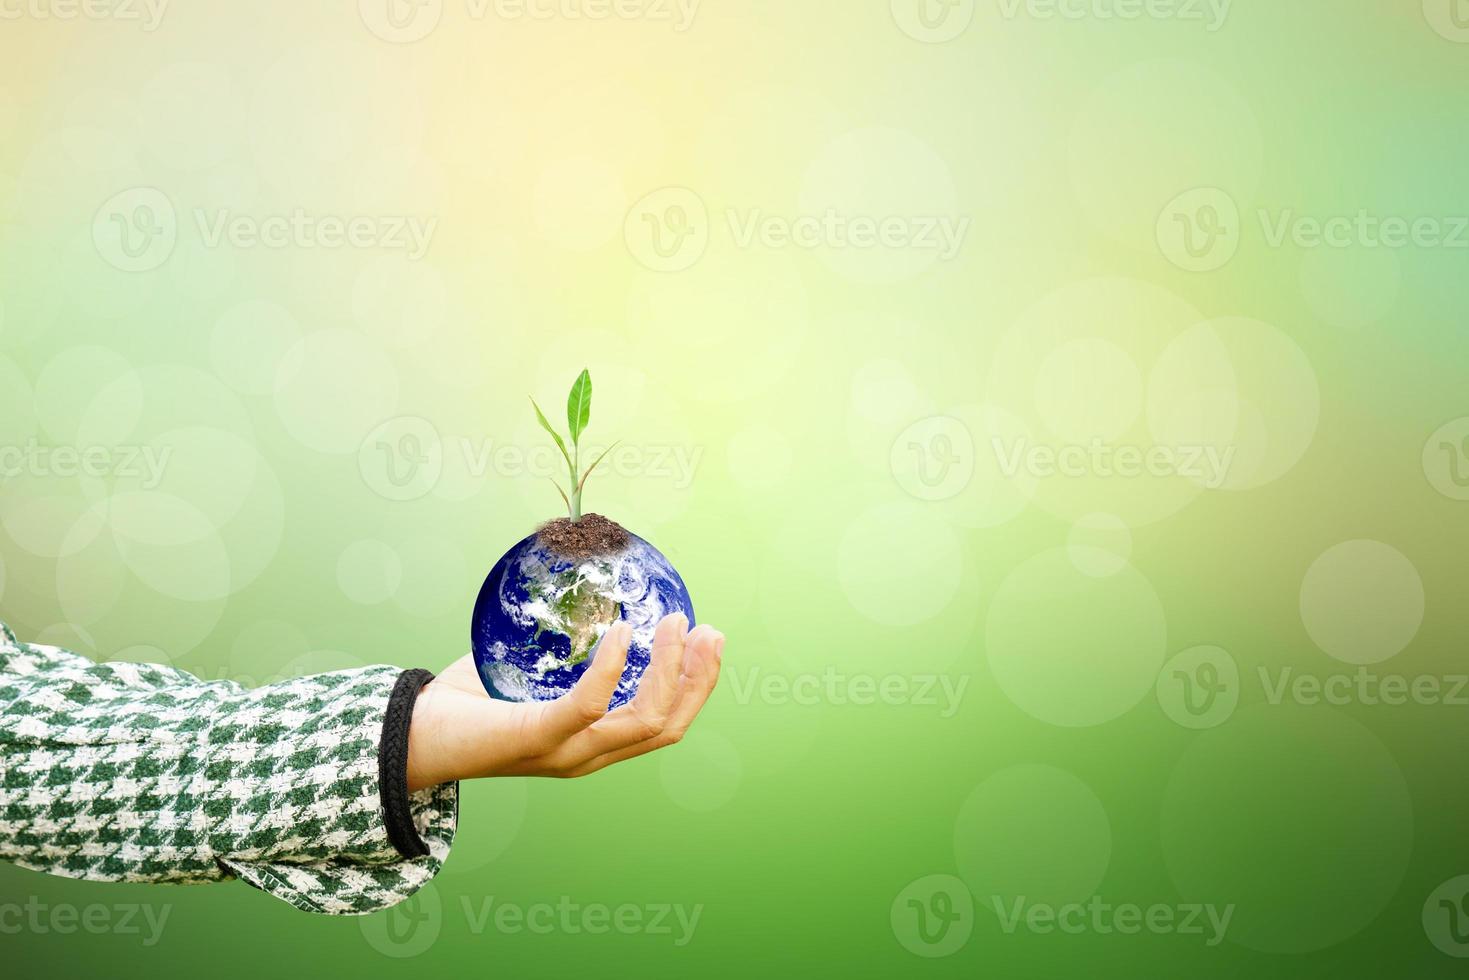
x=423, y=763
x=398, y=773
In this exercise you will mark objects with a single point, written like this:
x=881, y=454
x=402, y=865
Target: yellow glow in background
x=1060, y=406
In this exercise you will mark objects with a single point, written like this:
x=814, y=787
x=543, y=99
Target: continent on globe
x=577, y=610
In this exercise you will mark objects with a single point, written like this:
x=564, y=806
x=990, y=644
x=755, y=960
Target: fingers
x=646, y=715
x=658, y=691
x=702, y=659
x=703, y=651
x=587, y=701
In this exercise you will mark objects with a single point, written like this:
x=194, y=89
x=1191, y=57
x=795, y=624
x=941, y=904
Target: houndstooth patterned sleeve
x=138, y=772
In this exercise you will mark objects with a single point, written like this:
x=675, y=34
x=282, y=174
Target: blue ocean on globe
x=539, y=616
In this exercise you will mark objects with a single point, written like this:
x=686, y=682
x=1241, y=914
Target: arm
x=136, y=772
x=337, y=793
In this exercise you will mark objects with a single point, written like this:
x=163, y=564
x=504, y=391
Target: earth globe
x=543, y=608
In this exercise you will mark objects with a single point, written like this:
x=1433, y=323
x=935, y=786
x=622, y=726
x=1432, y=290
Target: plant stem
x=575, y=484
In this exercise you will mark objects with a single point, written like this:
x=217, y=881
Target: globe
x=539, y=616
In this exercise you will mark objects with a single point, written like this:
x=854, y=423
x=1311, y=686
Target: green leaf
x=595, y=462
x=579, y=405
x=560, y=443
x=562, y=492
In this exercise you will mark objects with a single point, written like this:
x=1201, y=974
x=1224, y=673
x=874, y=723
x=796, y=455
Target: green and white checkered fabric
x=139, y=772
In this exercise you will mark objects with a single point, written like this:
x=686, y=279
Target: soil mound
x=594, y=536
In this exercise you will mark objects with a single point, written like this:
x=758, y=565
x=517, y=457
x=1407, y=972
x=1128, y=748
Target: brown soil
x=594, y=536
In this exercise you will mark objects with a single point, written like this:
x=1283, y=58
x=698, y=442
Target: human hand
x=460, y=732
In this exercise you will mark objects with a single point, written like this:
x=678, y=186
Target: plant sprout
x=578, y=413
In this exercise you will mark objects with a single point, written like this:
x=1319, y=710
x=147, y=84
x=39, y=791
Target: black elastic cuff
x=392, y=764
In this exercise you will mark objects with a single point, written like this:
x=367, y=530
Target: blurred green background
x=1060, y=406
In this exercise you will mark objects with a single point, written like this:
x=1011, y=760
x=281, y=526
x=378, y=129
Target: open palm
x=460, y=732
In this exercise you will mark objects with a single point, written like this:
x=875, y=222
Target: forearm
x=136, y=772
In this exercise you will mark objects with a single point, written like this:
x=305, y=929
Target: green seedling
x=578, y=413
